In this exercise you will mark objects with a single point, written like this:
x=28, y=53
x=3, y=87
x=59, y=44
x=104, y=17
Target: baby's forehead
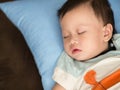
x=97, y=12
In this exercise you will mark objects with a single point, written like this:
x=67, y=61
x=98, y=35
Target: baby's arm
x=58, y=87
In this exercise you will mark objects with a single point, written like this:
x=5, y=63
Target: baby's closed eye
x=66, y=36
x=81, y=32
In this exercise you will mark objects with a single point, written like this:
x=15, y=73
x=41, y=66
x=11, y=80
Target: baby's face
x=83, y=33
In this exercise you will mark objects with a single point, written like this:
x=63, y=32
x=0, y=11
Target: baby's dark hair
x=101, y=8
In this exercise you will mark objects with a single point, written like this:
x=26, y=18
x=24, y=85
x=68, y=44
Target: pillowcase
x=115, y=5
x=38, y=22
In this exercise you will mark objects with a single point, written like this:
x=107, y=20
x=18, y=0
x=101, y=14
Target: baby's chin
x=83, y=59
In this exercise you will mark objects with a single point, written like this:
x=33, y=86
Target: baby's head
x=87, y=27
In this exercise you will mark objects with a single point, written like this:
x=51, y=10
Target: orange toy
x=104, y=84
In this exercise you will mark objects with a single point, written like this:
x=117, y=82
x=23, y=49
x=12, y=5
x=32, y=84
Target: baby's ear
x=108, y=30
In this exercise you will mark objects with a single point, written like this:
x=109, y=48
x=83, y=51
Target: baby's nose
x=74, y=41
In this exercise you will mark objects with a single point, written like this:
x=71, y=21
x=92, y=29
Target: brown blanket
x=5, y=0
x=18, y=70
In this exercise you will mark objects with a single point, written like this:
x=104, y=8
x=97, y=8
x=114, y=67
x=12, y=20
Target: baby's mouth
x=74, y=51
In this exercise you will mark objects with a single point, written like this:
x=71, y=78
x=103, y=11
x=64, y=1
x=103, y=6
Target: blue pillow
x=115, y=5
x=38, y=22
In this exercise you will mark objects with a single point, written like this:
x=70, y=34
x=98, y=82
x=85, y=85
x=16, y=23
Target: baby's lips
x=75, y=51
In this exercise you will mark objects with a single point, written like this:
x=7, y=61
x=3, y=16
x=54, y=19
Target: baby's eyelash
x=81, y=32
x=65, y=37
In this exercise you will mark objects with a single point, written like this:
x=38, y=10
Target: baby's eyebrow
x=82, y=28
x=65, y=34
x=83, y=25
